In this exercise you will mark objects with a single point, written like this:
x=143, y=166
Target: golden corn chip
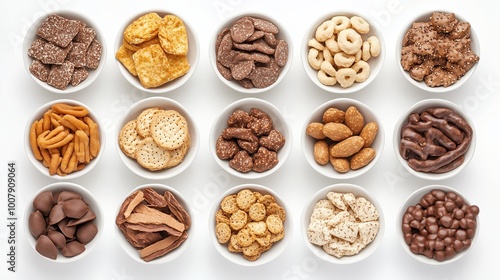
x=143, y=28
x=173, y=35
x=178, y=66
x=152, y=66
x=136, y=47
x=124, y=55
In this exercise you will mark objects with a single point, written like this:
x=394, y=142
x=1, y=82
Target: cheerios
x=374, y=46
x=315, y=58
x=343, y=60
x=332, y=45
x=315, y=44
x=325, y=31
x=360, y=25
x=362, y=69
x=326, y=79
x=365, y=51
x=349, y=41
x=327, y=55
x=341, y=23
x=346, y=77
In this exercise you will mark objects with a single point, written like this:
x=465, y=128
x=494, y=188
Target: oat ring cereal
x=349, y=41
x=315, y=58
x=359, y=24
x=346, y=77
x=332, y=45
x=362, y=69
x=341, y=23
x=343, y=60
x=374, y=46
x=325, y=31
x=326, y=75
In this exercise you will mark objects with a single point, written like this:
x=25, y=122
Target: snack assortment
x=64, y=51
x=155, y=49
x=343, y=224
x=435, y=140
x=157, y=139
x=440, y=225
x=250, y=142
x=438, y=51
x=65, y=139
x=61, y=222
x=249, y=222
x=340, y=53
x=250, y=52
x=154, y=223
x=343, y=139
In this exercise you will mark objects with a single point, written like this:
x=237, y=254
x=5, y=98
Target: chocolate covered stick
x=162, y=247
x=177, y=209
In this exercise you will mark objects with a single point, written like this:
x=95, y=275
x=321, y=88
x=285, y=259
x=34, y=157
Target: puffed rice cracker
x=365, y=210
x=124, y=55
x=143, y=28
x=173, y=35
x=152, y=66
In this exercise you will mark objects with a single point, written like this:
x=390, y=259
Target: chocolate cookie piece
x=274, y=141
x=58, y=30
x=226, y=149
x=264, y=160
x=265, y=25
x=242, y=29
x=241, y=162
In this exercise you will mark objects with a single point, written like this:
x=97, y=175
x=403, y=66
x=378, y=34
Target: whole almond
x=336, y=131
x=362, y=158
x=333, y=115
x=368, y=133
x=347, y=147
x=340, y=164
x=315, y=130
x=321, y=154
x=354, y=120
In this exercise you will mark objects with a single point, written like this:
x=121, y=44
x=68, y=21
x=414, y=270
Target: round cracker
x=222, y=232
x=274, y=224
x=169, y=129
x=177, y=155
x=144, y=121
x=151, y=156
x=245, y=198
x=129, y=139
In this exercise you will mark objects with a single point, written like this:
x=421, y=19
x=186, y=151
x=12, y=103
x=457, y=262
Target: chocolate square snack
x=39, y=70
x=58, y=30
x=79, y=75
x=60, y=75
x=36, y=49
x=53, y=54
x=77, y=54
x=85, y=36
x=93, y=55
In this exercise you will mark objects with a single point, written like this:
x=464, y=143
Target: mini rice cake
x=152, y=66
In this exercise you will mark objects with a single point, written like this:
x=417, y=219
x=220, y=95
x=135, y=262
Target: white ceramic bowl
x=193, y=55
x=245, y=104
x=37, y=115
x=277, y=247
x=283, y=34
x=164, y=103
x=413, y=200
x=341, y=188
x=375, y=63
x=424, y=17
x=88, y=198
x=172, y=255
x=93, y=73
x=418, y=108
x=316, y=116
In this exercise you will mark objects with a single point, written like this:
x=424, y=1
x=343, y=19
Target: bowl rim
x=70, y=14
x=193, y=53
x=172, y=255
x=327, y=170
x=265, y=258
x=283, y=33
x=413, y=199
x=273, y=112
x=88, y=198
x=37, y=164
x=422, y=15
x=163, y=102
x=374, y=71
x=358, y=191
x=419, y=107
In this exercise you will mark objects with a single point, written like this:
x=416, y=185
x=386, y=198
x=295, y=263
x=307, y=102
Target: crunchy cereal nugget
x=124, y=55
x=152, y=66
x=143, y=29
x=173, y=35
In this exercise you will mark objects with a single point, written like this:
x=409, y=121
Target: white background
x=204, y=96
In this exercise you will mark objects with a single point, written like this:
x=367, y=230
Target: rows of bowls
x=279, y=122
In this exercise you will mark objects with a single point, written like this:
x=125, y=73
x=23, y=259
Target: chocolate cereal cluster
x=250, y=142
x=64, y=51
x=438, y=51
